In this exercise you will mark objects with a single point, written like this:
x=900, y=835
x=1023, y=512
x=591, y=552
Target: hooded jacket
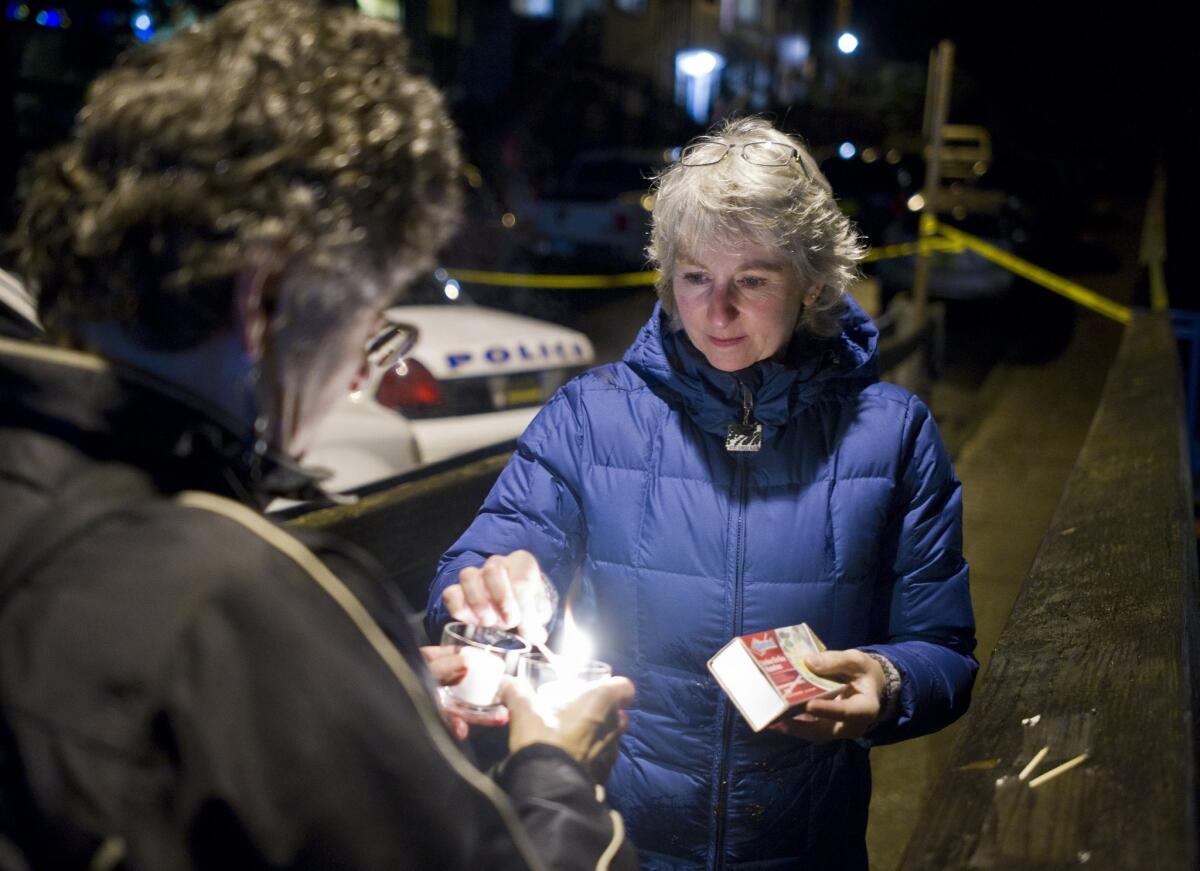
x=185, y=685
x=848, y=518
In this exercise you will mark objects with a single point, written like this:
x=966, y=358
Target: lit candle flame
x=575, y=645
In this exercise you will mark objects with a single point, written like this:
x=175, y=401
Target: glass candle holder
x=557, y=681
x=490, y=655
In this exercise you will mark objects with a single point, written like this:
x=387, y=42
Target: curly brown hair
x=274, y=122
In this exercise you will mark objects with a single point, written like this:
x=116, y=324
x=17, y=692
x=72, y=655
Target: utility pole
x=841, y=24
x=937, y=108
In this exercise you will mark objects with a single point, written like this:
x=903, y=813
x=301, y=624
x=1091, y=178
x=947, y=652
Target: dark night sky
x=1103, y=83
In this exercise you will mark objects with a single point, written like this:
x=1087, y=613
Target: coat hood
x=812, y=368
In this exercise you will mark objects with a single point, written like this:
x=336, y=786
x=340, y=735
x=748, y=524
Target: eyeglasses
x=391, y=344
x=764, y=153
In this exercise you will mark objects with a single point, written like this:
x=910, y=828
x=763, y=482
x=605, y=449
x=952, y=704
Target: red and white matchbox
x=765, y=675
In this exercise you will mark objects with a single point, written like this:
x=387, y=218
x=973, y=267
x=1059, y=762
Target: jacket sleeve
x=312, y=741
x=930, y=622
x=534, y=506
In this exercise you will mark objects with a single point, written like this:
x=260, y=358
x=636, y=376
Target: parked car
x=476, y=377
x=600, y=214
x=883, y=194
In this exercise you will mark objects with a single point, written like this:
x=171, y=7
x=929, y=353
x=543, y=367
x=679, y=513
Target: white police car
x=476, y=376
x=18, y=312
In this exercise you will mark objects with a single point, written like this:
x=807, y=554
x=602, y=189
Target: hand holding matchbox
x=765, y=675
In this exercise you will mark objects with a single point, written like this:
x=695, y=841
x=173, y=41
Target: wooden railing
x=1097, y=663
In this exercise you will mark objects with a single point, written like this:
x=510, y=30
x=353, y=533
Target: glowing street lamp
x=143, y=26
x=847, y=42
x=698, y=63
x=696, y=72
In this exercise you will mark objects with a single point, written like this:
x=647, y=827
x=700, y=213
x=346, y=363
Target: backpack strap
x=85, y=500
x=353, y=608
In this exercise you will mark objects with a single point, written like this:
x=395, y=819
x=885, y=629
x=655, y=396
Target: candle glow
x=575, y=646
x=562, y=677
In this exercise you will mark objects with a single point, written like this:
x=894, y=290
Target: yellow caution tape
x=935, y=236
x=1072, y=291
x=928, y=225
x=559, y=282
x=907, y=249
x=642, y=279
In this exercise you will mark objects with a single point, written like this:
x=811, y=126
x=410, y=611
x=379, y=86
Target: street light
x=696, y=71
x=698, y=62
x=847, y=42
x=143, y=26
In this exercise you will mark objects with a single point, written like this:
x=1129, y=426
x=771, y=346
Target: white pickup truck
x=601, y=212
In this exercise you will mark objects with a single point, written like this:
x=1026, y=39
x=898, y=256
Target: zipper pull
x=747, y=435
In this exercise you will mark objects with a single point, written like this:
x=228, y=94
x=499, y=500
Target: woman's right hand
x=589, y=729
x=506, y=591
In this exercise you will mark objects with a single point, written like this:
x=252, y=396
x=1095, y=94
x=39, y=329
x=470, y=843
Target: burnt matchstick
x=1055, y=772
x=1033, y=763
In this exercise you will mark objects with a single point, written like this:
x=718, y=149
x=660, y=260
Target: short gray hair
x=789, y=207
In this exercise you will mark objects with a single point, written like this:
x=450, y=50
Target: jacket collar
x=811, y=369
x=115, y=412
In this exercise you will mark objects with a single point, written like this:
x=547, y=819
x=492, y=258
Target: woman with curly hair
x=184, y=684
x=741, y=469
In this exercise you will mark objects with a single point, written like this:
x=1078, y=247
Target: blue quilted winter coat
x=849, y=519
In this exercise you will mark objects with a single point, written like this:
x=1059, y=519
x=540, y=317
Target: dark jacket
x=185, y=685
x=849, y=519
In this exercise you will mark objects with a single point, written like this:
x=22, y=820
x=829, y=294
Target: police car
x=18, y=313
x=476, y=377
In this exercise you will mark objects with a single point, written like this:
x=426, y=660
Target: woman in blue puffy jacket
x=741, y=469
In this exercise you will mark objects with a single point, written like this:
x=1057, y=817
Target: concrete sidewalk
x=1029, y=424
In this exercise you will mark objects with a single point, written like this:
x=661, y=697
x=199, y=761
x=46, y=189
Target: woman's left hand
x=850, y=713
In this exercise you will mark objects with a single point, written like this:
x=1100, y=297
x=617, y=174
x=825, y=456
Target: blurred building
x=625, y=53
x=550, y=78
x=532, y=83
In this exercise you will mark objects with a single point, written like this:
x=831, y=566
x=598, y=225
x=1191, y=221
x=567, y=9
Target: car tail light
x=408, y=386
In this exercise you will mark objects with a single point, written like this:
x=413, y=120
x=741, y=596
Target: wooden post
x=937, y=108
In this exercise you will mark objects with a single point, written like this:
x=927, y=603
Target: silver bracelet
x=889, y=694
